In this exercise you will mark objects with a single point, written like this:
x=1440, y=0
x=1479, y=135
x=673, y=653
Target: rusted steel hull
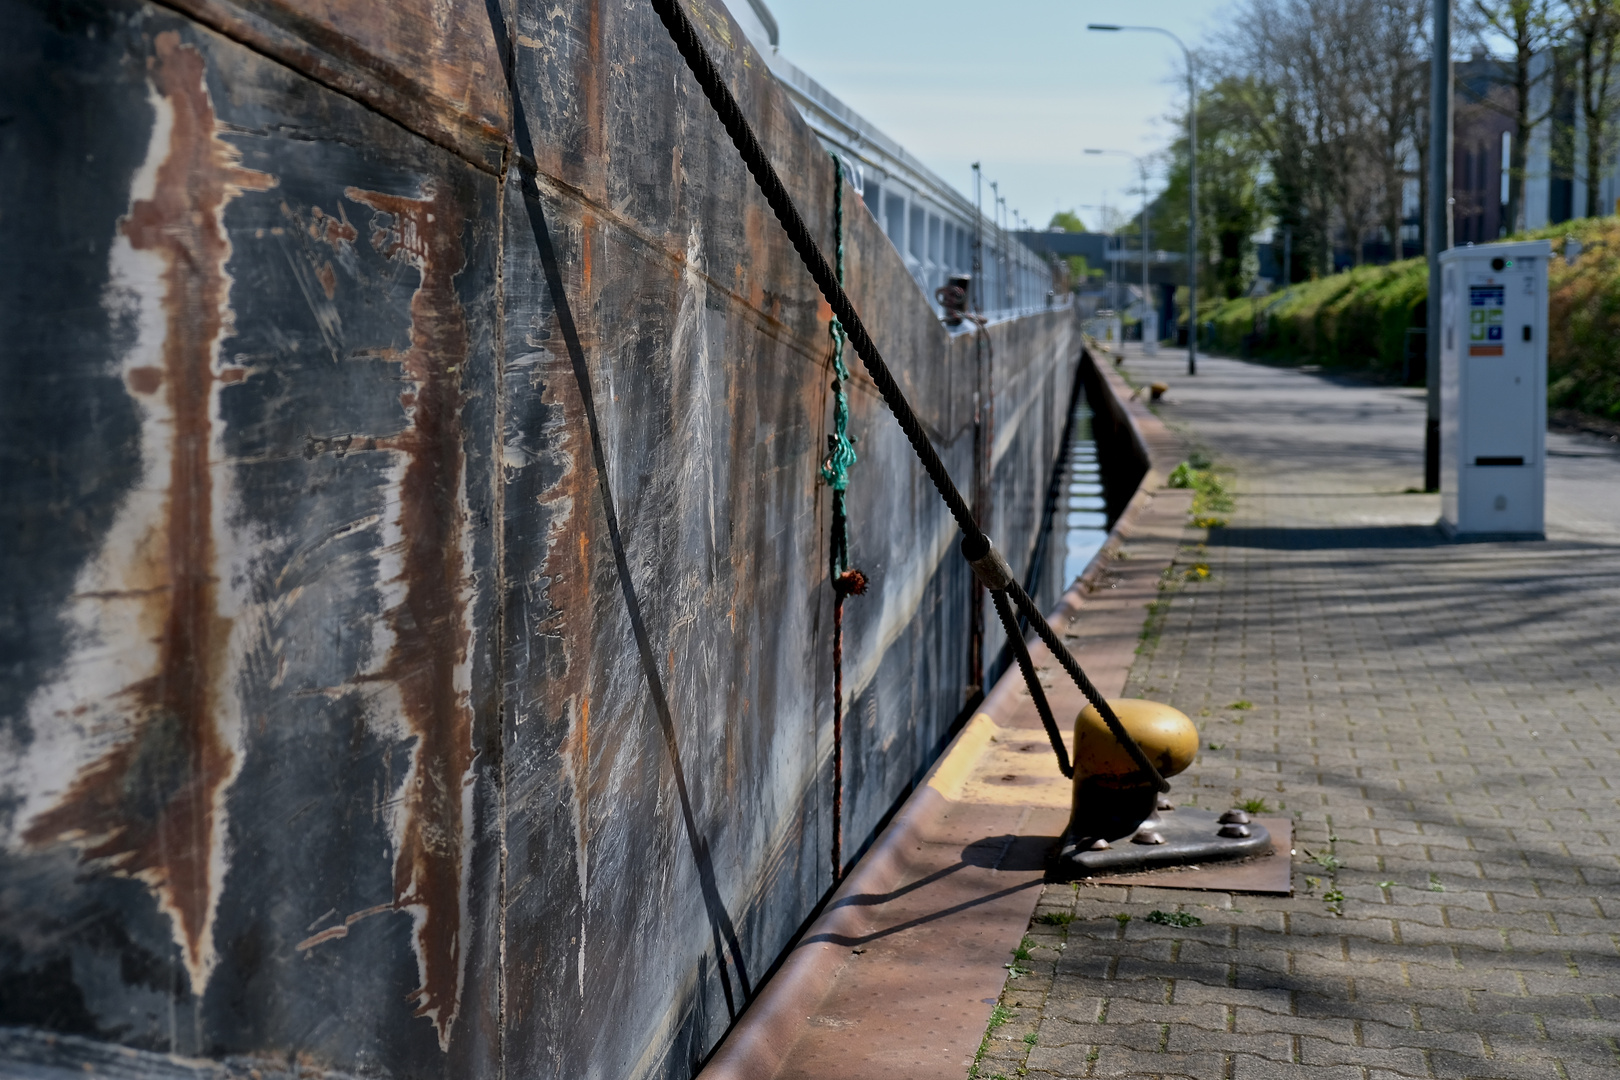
x=363, y=712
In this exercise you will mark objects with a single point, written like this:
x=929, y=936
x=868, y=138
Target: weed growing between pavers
x=1016, y=969
x=999, y=1015
x=1211, y=499
x=1157, y=609
x=1174, y=918
x=1022, y=1002
x=1193, y=563
x=1330, y=862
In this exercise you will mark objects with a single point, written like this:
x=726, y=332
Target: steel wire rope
x=988, y=563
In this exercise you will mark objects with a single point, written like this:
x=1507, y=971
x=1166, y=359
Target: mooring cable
x=988, y=564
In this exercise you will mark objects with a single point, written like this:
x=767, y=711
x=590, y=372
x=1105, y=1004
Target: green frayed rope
x=840, y=447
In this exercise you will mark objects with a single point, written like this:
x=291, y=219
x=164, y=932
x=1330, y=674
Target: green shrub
x=1358, y=319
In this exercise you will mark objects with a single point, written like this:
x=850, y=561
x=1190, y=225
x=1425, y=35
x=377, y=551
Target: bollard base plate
x=1190, y=836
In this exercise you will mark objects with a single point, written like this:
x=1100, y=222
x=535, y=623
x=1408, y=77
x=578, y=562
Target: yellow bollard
x=1120, y=822
x=1165, y=734
x=1113, y=799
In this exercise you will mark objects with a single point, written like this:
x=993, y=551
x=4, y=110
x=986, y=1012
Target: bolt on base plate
x=1167, y=838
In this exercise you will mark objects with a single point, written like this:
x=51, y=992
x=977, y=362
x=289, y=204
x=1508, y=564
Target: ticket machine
x=1493, y=390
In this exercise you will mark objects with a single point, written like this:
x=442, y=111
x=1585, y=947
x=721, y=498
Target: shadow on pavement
x=1010, y=852
x=1314, y=538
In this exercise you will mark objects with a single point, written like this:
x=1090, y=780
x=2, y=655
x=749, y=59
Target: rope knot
x=850, y=583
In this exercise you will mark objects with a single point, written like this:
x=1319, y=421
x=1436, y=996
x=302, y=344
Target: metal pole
x=1141, y=168
x=978, y=239
x=1192, y=215
x=1439, y=229
x=1147, y=301
x=1112, y=255
x=1005, y=251
x=995, y=222
x=976, y=592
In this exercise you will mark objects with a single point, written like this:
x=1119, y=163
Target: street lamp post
x=995, y=222
x=1439, y=230
x=1147, y=297
x=1102, y=208
x=1192, y=184
x=1006, y=253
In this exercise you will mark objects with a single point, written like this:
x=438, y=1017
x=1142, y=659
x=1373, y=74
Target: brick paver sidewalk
x=1439, y=720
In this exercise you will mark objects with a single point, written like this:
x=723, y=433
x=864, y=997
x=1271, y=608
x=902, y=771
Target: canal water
x=1075, y=516
x=1080, y=521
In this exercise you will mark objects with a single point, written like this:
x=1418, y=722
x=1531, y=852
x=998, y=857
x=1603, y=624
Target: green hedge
x=1355, y=319
x=1583, y=316
x=1358, y=319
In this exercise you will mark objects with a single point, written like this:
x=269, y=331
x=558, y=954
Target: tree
x=1314, y=56
x=1396, y=79
x=1080, y=269
x=1529, y=27
x=1068, y=221
x=1595, y=26
x=1334, y=98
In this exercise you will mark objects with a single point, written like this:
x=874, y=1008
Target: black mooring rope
x=1021, y=652
x=981, y=554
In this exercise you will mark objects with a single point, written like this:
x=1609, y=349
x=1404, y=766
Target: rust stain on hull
x=428, y=661
x=565, y=555
x=152, y=807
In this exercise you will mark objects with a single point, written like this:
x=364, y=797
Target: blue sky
x=1020, y=86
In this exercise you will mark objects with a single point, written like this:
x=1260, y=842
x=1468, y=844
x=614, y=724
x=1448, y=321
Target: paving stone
x=1270, y=998
x=1456, y=1067
x=1404, y=1059
x=1207, y=1015
x=1440, y=719
x=1580, y=1070
x=1119, y=1061
x=1590, y=1051
x=1250, y=1067
x=1274, y=1045
x=1524, y=1024
x=1390, y=1037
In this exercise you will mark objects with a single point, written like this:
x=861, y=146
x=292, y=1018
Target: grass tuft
x=1174, y=918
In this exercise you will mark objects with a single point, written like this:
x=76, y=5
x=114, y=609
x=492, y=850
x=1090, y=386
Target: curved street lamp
x=1102, y=208
x=1192, y=184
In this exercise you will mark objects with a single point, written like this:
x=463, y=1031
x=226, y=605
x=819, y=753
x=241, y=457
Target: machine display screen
x=1485, y=303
